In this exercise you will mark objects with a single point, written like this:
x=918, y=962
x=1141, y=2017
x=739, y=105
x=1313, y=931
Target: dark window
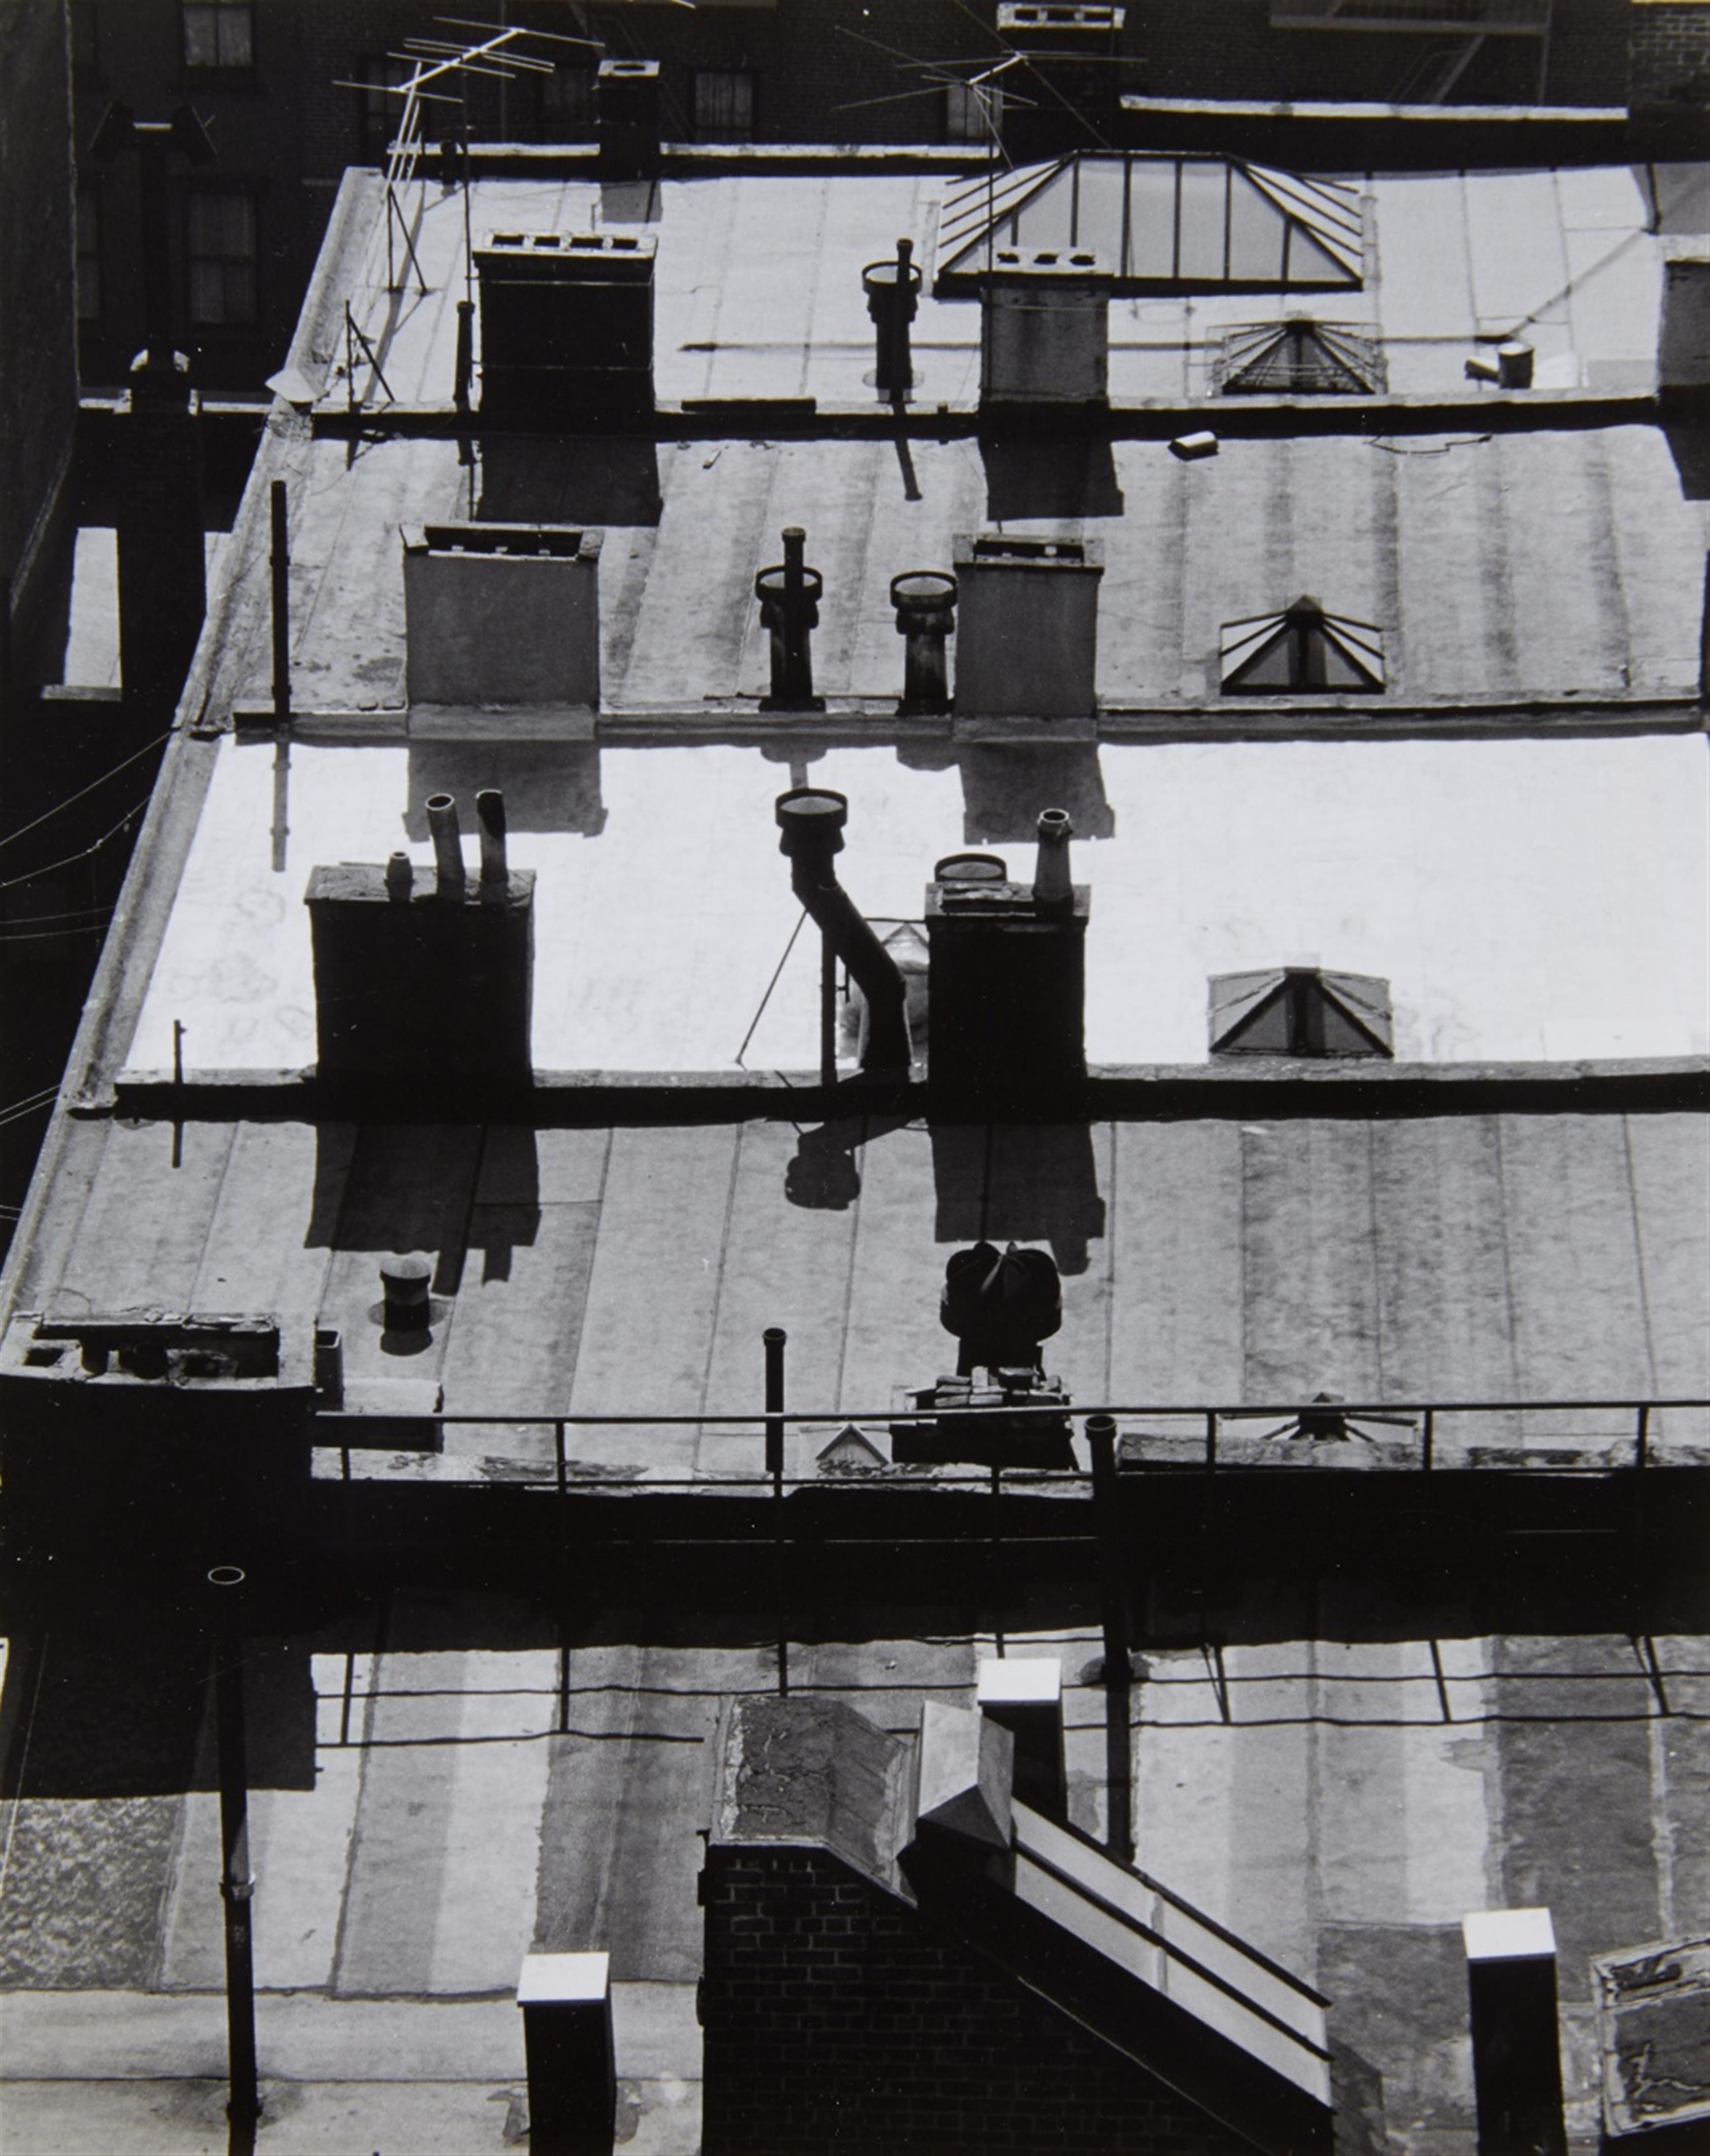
x=380, y=109
x=222, y=255
x=971, y=113
x=724, y=105
x=89, y=255
x=219, y=34
x=567, y=105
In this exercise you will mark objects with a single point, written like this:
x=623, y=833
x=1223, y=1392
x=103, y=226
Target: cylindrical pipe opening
x=1051, y=884
x=489, y=817
x=448, y=844
x=404, y=1284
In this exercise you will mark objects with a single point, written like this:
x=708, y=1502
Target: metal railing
x=1294, y=1436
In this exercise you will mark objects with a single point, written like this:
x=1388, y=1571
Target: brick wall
x=38, y=354
x=838, y=2019
x=1669, y=55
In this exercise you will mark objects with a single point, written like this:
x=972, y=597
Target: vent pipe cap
x=811, y=819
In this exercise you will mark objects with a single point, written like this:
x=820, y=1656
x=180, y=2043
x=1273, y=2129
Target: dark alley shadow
x=1035, y=475
x=1004, y=788
x=122, y=1706
x=557, y=479
x=547, y=786
x=1023, y=1183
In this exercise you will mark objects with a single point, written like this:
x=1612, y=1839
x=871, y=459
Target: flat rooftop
x=631, y=1271
x=758, y=289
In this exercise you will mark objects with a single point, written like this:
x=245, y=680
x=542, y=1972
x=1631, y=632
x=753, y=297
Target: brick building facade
x=839, y=2018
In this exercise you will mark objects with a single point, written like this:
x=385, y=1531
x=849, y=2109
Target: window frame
x=218, y=14
x=379, y=75
x=744, y=83
x=241, y=323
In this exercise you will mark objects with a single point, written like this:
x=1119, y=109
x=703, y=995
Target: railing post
x=1641, y=1436
x=236, y=1887
x=1428, y=1441
x=774, y=1339
x=1118, y=1671
x=1210, y=1439
x=559, y=1462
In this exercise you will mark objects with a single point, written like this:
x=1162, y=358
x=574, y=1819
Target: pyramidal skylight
x=1300, y=651
x=1301, y=1010
x=1164, y=223
x=1298, y=357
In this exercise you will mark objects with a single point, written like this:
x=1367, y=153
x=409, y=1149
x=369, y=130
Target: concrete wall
x=836, y=2018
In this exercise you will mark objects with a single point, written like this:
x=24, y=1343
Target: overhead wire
x=48, y=815
x=31, y=875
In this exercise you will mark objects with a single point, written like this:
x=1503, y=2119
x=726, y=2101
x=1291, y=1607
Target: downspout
x=811, y=819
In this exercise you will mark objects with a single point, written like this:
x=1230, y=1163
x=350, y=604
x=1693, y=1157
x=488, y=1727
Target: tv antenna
x=435, y=65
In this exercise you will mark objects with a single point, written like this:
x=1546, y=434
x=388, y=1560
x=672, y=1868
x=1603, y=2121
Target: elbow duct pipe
x=811, y=819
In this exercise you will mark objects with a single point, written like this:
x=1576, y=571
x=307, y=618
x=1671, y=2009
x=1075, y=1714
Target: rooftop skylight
x=1301, y=650
x=1166, y=222
x=1298, y=357
x=1301, y=1010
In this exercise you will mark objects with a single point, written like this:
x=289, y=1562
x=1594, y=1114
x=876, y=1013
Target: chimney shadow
x=547, y=786
x=1031, y=476
x=628, y=202
x=560, y=479
x=1004, y=788
x=1687, y=433
x=485, y=1197
x=1021, y=1183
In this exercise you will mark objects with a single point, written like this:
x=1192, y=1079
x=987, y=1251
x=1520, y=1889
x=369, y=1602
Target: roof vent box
x=421, y=980
x=1027, y=633
x=566, y=326
x=1009, y=987
x=1045, y=328
x=501, y=614
x=1029, y=20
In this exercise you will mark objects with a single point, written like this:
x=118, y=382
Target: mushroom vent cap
x=1012, y=1296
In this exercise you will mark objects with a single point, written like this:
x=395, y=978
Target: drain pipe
x=811, y=819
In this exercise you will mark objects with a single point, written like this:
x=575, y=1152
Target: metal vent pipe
x=811, y=819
